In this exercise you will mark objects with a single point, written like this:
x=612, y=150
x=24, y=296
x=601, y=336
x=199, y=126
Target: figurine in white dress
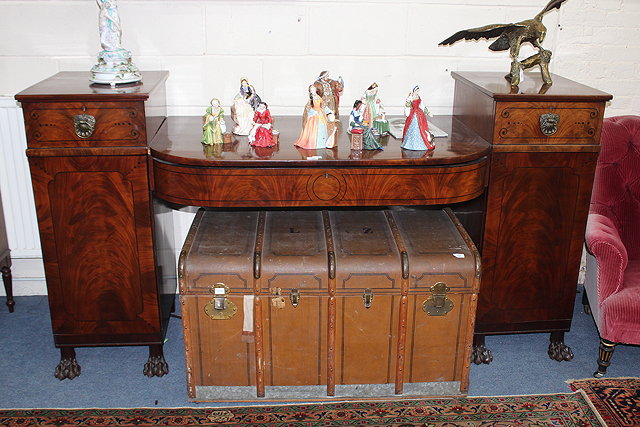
x=109, y=25
x=243, y=108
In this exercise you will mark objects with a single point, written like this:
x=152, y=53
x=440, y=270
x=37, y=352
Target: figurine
x=331, y=89
x=243, y=108
x=374, y=111
x=114, y=62
x=213, y=125
x=511, y=37
x=319, y=128
x=416, y=135
x=261, y=134
x=358, y=124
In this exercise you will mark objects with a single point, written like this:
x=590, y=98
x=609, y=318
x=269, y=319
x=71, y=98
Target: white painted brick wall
x=281, y=46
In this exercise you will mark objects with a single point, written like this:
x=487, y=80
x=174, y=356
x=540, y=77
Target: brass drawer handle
x=549, y=123
x=84, y=125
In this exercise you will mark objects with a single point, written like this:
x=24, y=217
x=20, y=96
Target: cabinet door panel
x=536, y=215
x=94, y=218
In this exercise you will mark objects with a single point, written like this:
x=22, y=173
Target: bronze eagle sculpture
x=511, y=37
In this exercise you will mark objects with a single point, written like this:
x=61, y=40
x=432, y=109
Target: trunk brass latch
x=367, y=298
x=294, y=296
x=220, y=307
x=438, y=304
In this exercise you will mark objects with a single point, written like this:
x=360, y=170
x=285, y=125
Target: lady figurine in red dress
x=416, y=135
x=261, y=134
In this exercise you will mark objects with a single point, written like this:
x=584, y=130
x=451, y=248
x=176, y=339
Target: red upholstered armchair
x=612, y=284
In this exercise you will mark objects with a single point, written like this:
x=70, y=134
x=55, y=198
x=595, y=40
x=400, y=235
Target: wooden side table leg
x=156, y=366
x=68, y=366
x=481, y=353
x=8, y=287
x=558, y=350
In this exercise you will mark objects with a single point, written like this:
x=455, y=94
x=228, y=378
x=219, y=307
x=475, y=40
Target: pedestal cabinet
x=545, y=142
x=87, y=150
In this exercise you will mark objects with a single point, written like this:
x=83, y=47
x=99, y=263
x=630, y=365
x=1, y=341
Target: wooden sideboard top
x=75, y=86
x=532, y=88
x=178, y=141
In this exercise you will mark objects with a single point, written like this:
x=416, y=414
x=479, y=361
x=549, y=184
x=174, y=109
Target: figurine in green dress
x=213, y=125
x=358, y=124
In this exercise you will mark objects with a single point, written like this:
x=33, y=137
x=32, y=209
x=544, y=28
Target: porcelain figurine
x=243, y=108
x=331, y=89
x=261, y=134
x=360, y=125
x=319, y=127
x=416, y=135
x=374, y=111
x=213, y=125
x=114, y=62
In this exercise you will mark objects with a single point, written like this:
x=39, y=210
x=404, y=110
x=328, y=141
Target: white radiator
x=17, y=203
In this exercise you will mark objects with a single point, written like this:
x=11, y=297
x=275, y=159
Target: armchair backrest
x=616, y=188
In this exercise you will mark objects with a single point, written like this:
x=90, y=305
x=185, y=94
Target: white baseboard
x=28, y=277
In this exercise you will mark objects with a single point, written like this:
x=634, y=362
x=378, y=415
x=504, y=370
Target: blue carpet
x=112, y=376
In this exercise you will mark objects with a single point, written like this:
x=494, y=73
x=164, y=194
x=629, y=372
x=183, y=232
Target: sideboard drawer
x=544, y=123
x=85, y=124
x=252, y=187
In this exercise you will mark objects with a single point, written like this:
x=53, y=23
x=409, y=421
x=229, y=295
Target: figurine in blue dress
x=416, y=135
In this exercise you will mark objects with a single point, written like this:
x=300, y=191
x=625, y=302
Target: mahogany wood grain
x=117, y=124
x=538, y=195
x=178, y=142
x=72, y=86
x=537, y=209
x=531, y=88
x=257, y=187
x=109, y=279
x=519, y=123
x=95, y=228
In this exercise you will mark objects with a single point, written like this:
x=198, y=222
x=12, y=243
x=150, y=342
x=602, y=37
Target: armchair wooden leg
x=604, y=357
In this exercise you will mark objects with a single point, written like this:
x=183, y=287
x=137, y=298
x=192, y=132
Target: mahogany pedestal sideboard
x=108, y=277
x=520, y=188
x=545, y=143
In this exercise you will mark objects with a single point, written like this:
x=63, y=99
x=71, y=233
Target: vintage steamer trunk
x=323, y=304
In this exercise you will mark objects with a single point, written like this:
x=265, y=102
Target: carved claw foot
x=156, y=366
x=68, y=366
x=481, y=353
x=558, y=350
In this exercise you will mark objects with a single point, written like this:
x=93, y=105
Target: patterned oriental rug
x=571, y=409
x=616, y=399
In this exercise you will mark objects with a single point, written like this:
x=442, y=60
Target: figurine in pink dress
x=261, y=134
x=319, y=126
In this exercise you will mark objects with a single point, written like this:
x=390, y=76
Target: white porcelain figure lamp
x=114, y=62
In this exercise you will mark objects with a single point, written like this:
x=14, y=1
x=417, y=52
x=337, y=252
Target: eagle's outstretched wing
x=553, y=4
x=486, y=32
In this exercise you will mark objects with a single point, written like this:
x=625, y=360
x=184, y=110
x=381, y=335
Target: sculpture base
x=115, y=67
